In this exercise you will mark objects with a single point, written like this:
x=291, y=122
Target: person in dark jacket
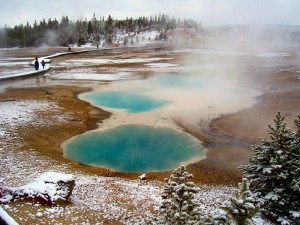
x=36, y=64
x=43, y=64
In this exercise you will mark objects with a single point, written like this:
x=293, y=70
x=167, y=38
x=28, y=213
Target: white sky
x=208, y=12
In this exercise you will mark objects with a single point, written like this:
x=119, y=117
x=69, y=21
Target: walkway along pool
x=134, y=148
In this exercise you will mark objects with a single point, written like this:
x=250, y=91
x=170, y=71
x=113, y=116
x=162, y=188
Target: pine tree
x=274, y=172
x=240, y=209
x=178, y=206
x=109, y=30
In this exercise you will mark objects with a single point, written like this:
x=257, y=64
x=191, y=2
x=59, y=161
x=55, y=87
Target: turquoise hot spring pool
x=134, y=148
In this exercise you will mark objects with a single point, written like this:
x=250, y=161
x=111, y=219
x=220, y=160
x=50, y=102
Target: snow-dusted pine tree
x=178, y=206
x=240, y=209
x=274, y=172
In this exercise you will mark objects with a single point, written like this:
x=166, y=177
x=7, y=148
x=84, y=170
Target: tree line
x=97, y=30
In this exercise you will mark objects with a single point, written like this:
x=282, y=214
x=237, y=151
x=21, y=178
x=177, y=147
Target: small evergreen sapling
x=178, y=206
x=274, y=172
x=241, y=208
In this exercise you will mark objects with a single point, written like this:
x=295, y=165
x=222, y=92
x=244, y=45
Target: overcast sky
x=208, y=12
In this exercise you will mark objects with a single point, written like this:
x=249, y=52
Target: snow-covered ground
x=111, y=73
x=162, y=65
x=11, y=61
x=95, y=76
x=13, y=65
x=14, y=114
x=99, y=61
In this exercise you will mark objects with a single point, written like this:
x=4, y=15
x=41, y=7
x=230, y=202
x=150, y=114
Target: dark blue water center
x=133, y=103
x=134, y=148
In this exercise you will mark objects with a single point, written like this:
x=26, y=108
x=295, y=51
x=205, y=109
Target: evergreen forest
x=97, y=30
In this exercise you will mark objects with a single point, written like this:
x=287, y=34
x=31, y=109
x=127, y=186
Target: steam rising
x=51, y=38
x=252, y=38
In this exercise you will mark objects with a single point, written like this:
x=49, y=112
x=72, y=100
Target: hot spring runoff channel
x=132, y=148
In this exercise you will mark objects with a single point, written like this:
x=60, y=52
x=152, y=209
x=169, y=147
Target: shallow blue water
x=133, y=103
x=186, y=81
x=134, y=148
x=173, y=80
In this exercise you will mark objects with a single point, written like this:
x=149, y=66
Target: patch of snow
x=112, y=61
x=95, y=76
x=258, y=220
x=14, y=61
x=2, y=132
x=138, y=39
x=46, y=186
x=27, y=73
x=161, y=65
x=210, y=197
x=272, y=195
x=14, y=114
x=15, y=58
x=115, y=192
x=88, y=45
x=296, y=214
x=283, y=221
x=142, y=177
x=39, y=214
x=55, y=177
x=7, y=63
x=4, y=71
x=267, y=170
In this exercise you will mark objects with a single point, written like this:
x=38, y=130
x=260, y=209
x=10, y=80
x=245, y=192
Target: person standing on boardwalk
x=43, y=64
x=36, y=63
